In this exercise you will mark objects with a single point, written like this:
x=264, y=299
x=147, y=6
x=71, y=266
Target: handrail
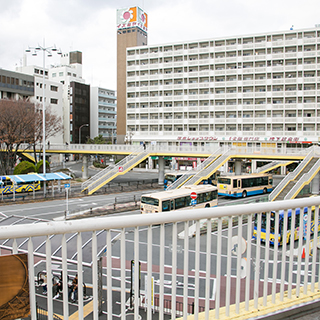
x=108, y=169
x=302, y=181
x=209, y=168
x=129, y=161
x=290, y=176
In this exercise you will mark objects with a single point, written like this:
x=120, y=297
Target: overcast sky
x=90, y=26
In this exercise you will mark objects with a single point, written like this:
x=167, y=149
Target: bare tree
x=21, y=122
x=17, y=121
x=53, y=126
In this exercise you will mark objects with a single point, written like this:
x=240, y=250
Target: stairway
x=103, y=177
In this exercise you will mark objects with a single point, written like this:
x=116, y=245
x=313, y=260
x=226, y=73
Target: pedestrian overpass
x=215, y=159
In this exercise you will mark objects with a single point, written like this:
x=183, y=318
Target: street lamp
x=84, y=125
x=48, y=51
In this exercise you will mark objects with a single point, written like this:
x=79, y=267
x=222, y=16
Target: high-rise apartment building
x=258, y=89
x=132, y=27
x=103, y=113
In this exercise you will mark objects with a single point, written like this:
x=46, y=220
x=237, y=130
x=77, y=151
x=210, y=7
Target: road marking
x=87, y=309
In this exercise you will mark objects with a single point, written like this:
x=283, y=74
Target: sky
x=90, y=26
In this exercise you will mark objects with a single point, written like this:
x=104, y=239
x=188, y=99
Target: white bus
x=244, y=185
x=206, y=197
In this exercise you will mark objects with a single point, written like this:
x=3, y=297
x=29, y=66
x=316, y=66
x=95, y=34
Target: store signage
x=235, y=138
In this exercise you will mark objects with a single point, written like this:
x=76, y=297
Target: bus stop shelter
x=32, y=178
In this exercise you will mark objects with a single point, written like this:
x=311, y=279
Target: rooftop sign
x=132, y=17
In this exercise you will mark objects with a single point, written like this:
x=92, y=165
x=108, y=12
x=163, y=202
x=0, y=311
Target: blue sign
x=67, y=185
x=305, y=226
x=193, y=202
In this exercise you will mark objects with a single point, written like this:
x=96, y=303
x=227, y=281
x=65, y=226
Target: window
x=60, y=74
x=54, y=88
x=54, y=101
x=54, y=75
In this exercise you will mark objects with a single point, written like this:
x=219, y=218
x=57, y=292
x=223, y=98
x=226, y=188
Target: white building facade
x=103, y=113
x=53, y=92
x=259, y=89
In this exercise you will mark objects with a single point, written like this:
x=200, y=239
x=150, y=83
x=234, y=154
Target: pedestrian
x=48, y=144
x=144, y=145
x=57, y=288
x=73, y=289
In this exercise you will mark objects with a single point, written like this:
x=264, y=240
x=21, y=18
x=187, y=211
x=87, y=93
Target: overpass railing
x=303, y=180
x=206, y=149
x=221, y=270
x=290, y=176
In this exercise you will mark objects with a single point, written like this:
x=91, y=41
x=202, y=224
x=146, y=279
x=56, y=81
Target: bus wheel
x=265, y=190
x=244, y=194
x=207, y=205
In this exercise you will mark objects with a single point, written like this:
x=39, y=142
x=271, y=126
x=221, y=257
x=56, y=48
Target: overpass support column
x=161, y=170
x=283, y=170
x=253, y=166
x=315, y=184
x=237, y=167
x=84, y=167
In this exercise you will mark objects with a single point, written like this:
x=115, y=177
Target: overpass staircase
x=273, y=165
x=103, y=177
x=210, y=168
x=293, y=183
x=205, y=170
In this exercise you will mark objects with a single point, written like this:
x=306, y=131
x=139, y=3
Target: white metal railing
x=124, y=164
x=195, y=173
x=182, y=268
x=110, y=168
x=206, y=171
x=291, y=175
x=206, y=149
x=303, y=180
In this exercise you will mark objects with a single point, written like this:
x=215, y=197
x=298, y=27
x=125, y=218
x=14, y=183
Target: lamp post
x=45, y=50
x=84, y=125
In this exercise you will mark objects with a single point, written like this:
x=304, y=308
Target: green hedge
x=24, y=167
x=39, y=167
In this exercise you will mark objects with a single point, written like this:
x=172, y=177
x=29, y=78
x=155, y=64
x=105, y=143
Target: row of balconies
x=234, y=71
x=135, y=65
x=163, y=90
x=222, y=131
x=211, y=49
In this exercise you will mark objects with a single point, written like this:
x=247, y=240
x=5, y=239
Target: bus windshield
x=224, y=180
x=149, y=200
x=170, y=177
x=264, y=222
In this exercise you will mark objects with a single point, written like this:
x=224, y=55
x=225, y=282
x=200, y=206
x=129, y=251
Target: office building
x=103, y=113
x=16, y=85
x=257, y=90
x=132, y=27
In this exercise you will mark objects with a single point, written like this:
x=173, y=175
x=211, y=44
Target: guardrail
x=223, y=272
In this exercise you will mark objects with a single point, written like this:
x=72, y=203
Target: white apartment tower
x=259, y=89
x=103, y=113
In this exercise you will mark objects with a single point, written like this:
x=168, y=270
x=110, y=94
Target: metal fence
x=222, y=272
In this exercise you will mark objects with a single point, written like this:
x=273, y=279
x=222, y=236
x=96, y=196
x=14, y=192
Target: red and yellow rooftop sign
x=132, y=17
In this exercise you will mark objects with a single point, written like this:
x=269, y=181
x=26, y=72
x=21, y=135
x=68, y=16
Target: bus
x=171, y=177
x=177, y=199
x=7, y=186
x=244, y=185
x=283, y=235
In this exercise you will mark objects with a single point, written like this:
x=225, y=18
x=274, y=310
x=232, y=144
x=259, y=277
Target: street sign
x=193, y=195
x=67, y=185
x=120, y=169
x=193, y=202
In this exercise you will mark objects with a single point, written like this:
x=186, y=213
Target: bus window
x=166, y=205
